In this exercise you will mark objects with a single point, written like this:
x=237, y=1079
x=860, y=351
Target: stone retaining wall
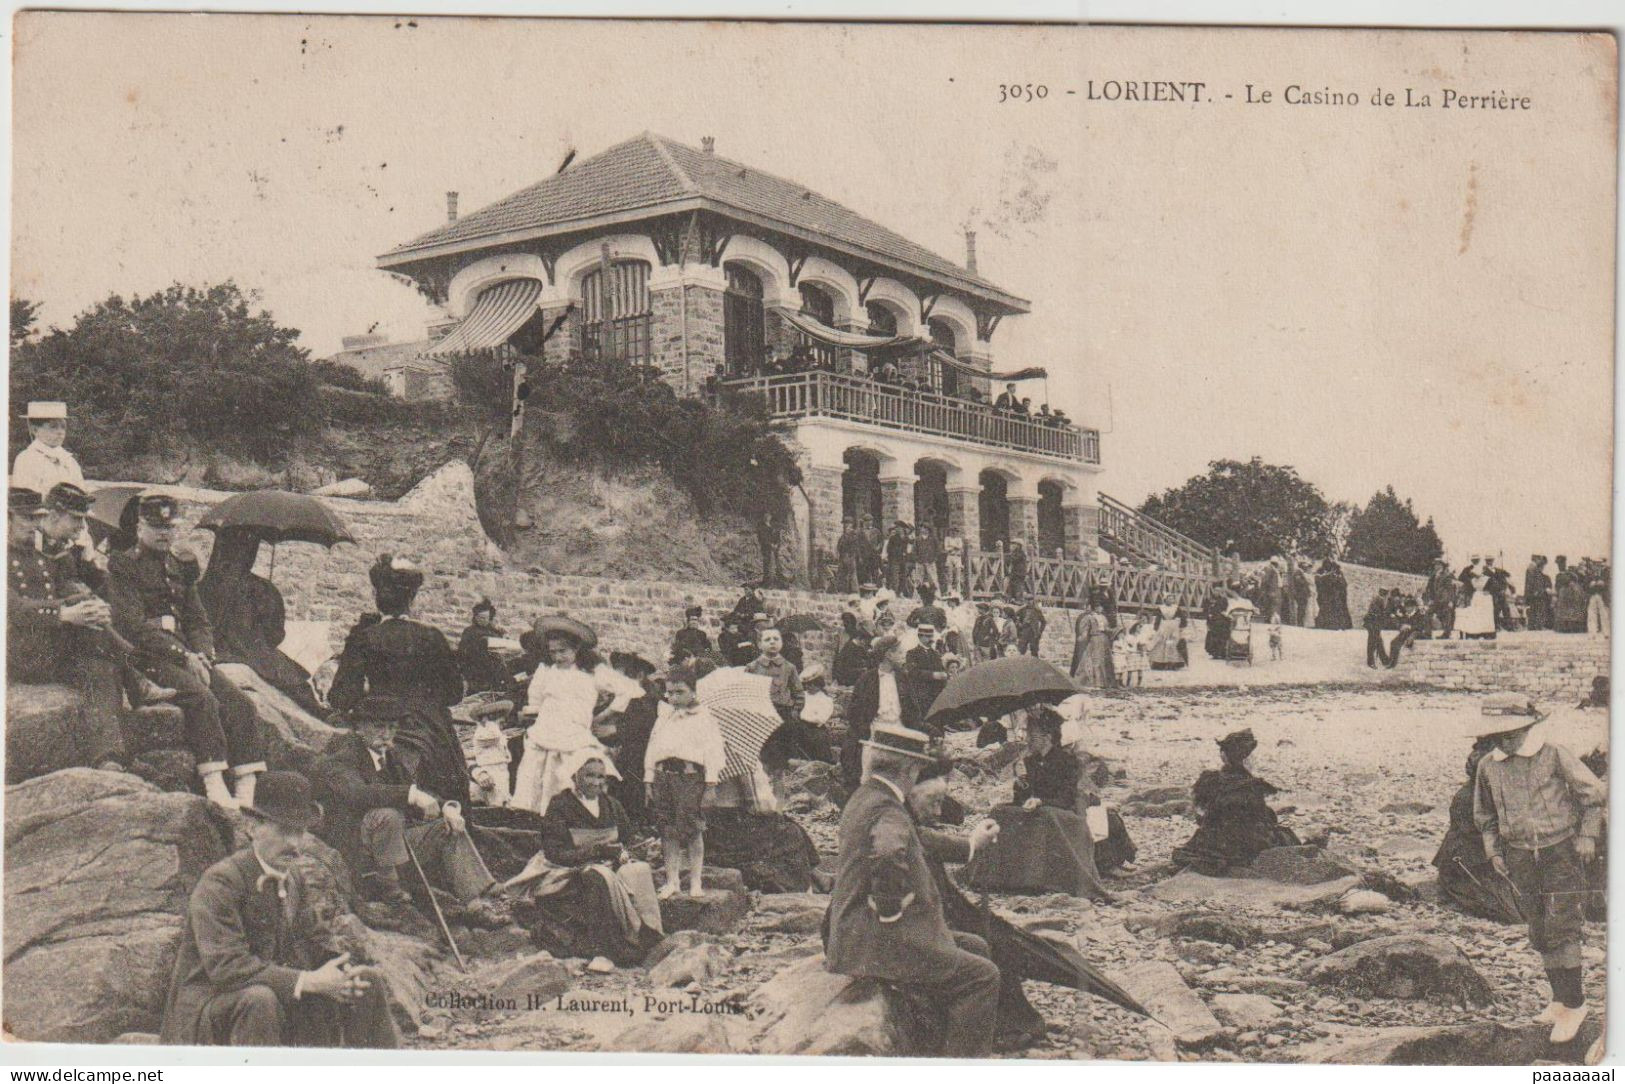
x=1546, y=665
x=1364, y=583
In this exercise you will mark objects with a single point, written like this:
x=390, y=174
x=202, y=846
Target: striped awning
x=497, y=313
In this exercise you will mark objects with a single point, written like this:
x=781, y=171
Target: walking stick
x=462, y=965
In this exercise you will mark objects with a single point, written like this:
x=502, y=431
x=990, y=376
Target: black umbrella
x=799, y=623
x=112, y=515
x=275, y=515
x=999, y=687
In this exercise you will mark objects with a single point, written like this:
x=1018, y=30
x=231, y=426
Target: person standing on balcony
x=1007, y=399
x=928, y=562
x=898, y=558
x=1017, y=565
x=1025, y=407
x=869, y=553
x=846, y=554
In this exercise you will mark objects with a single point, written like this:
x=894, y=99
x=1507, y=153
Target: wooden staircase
x=1138, y=539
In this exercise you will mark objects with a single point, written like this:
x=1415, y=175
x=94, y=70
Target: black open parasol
x=275, y=516
x=999, y=687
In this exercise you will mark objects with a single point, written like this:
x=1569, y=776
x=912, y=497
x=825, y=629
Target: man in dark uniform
x=691, y=640
x=56, y=634
x=924, y=672
x=153, y=591
x=885, y=918
x=247, y=971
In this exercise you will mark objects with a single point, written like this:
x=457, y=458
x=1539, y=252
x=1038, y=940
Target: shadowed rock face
x=99, y=866
x=1405, y=966
x=1465, y=1044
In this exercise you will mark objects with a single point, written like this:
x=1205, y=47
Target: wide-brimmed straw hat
x=557, y=624
x=1504, y=713
x=901, y=740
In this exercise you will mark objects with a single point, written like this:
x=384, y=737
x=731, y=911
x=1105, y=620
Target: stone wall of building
x=435, y=525
x=1364, y=583
x=1547, y=666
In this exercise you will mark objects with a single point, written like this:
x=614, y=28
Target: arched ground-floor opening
x=860, y=488
x=1051, y=526
x=931, y=496
x=994, y=508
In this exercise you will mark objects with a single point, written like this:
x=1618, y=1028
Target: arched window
x=743, y=337
x=616, y=313
x=882, y=321
x=942, y=334
x=818, y=304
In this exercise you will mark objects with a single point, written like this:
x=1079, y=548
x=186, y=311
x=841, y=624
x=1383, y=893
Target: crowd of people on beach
x=539, y=780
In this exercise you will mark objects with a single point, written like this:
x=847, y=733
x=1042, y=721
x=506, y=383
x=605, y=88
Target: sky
x=1374, y=296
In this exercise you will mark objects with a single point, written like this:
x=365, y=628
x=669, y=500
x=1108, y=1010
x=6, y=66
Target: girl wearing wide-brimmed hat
x=563, y=700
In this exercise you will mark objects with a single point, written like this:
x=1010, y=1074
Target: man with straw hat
x=1540, y=811
x=885, y=919
x=249, y=968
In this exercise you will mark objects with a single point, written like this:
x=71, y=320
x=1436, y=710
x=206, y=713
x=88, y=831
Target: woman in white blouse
x=564, y=697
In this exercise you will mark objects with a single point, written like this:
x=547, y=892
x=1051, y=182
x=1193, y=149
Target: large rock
x=40, y=722
x=353, y=488
x=719, y=910
x=1215, y=926
x=1483, y=1043
x=696, y=963
x=407, y=964
x=1404, y=966
x=1303, y=865
x=1249, y=1012
x=1158, y=987
x=791, y=912
x=1188, y=886
x=292, y=737
x=811, y=777
x=99, y=867
x=805, y=1009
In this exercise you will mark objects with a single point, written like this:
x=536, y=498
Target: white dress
x=1478, y=616
x=564, y=701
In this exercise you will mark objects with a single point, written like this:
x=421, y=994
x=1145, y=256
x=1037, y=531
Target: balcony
x=833, y=395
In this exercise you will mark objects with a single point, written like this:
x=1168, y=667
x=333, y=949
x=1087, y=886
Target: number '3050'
x=1022, y=92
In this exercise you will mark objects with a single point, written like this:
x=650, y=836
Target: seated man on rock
x=1234, y=821
x=153, y=591
x=885, y=919
x=250, y=970
x=367, y=788
x=53, y=636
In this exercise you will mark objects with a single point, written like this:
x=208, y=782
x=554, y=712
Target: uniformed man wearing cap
x=45, y=462
x=885, y=918
x=153, y=591
x=57, y=637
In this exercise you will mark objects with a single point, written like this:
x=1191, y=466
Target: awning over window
x=497, y=314
x=1032, y=372
x=850, y=340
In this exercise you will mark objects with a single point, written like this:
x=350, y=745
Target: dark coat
x=1051, y=778
x=347, y=784
x=35, y=634
x=693, y=641
x=482, y=670
x=882, y=861
x=1332, y=598
x=143, y=588
x=918, y=683
x=566, y=813
x=249, y=620
x=861, y=710
x=412, y=661
x=237, y=934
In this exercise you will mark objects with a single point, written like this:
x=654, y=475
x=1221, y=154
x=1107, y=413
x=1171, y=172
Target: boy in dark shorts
x=681, y=768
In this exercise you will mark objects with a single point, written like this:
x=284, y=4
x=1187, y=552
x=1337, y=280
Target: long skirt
x=1217, y=640
x=1477, y=618
x=594, y=910
x=1041, y=850
x=1094, y=663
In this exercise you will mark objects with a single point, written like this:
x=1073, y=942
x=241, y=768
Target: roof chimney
x=708, y=144
x=451, y=207
x=970, y=251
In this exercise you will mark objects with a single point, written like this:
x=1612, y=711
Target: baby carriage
x=1240, y=645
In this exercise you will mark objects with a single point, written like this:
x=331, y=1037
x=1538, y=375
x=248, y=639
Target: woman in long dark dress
x=249, y=617
x=1053, y=775
x=585, y=895
x=1234, y=821
x=482, y=669
x=389, y=654
x=1331, y=597
x=1214, y=611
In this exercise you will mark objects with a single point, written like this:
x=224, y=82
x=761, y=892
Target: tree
x=183, y=365
x=1386, y=533
x=1257, y=508
x=24, y=314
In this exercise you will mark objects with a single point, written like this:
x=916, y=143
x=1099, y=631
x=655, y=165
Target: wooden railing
x=1151, y=540
x=1066, y=582
x=834, y=395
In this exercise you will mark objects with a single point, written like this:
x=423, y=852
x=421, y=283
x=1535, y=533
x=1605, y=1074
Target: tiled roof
x=649, y=170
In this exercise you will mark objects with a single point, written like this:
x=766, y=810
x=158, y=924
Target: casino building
x=878, y=352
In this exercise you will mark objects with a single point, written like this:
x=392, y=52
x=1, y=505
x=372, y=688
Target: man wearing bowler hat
x=378, y=818
x=153, y=591
x=885, y=918
x=58, y=634
x=45, y=462
x=250, y=969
